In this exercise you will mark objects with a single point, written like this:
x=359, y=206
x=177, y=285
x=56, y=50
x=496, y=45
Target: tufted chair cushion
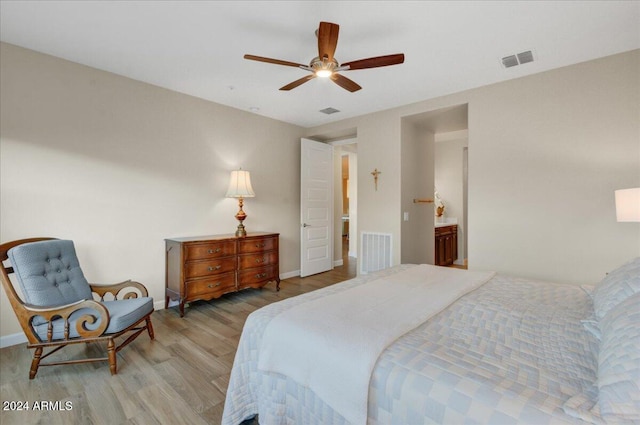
x=122, y=314
x=49, y=273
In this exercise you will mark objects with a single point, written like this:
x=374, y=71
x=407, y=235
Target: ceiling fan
x=326, y=66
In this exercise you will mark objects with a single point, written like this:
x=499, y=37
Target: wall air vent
x=519, y=59
x=376, y=252
x=329, y=111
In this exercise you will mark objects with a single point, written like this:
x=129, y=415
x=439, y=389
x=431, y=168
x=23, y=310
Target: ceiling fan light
x=324, y=73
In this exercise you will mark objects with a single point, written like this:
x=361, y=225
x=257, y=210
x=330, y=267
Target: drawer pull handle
x=216, y=285
x=218, y=267
x=213, y=251
x=260, y=260
x=261, y=245
x=259, y=275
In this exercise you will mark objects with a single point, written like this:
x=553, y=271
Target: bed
x=503, y=351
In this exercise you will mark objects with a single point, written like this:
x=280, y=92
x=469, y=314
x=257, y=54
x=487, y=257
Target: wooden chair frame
x=26, y=313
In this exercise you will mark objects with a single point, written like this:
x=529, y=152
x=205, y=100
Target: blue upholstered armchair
x=57, y=307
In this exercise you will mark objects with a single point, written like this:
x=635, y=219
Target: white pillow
x=616, y=287
x=619, y=362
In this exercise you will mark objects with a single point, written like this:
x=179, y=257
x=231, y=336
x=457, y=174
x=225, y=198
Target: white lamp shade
x=240, y=185
x=628, y=204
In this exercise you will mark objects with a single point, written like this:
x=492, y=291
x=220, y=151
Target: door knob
x=306, y=225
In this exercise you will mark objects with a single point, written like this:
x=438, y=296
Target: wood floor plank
x=133, y=407
x=190, y=384
x=104, y=404
x=169, y=406
x=180, y=377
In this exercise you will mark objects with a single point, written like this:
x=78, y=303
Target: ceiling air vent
x=519, y=59
x=509, y=61
x=329, y=111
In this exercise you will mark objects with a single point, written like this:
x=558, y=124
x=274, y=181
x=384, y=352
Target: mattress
x=512, y=351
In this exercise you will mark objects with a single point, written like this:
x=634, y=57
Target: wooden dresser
x=206, y=267
x=446, y=245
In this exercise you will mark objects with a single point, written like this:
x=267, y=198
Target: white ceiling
x=197, y=47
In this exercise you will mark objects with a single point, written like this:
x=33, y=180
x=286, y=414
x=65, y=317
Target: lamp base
x=240, y=232
x=240, y=216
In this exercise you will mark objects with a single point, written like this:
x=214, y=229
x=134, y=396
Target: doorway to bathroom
x=434, y=159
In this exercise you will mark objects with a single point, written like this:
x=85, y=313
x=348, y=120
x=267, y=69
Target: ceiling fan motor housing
x=323, y=67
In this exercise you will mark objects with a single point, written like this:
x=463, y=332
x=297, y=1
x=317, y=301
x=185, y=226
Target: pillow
x=619, y=362
x=616, y=287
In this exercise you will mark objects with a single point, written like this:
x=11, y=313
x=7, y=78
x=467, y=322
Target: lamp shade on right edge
x=628, y=204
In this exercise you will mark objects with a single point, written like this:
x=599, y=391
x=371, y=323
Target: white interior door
x=316, y=207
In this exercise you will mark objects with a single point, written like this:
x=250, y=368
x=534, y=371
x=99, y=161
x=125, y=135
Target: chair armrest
x=50, y=308
x=64, y=312
x=127, y=288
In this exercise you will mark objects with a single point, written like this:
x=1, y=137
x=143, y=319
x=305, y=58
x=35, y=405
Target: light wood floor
x=181, y=377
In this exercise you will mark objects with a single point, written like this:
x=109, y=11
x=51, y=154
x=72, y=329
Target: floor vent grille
x=376, y=252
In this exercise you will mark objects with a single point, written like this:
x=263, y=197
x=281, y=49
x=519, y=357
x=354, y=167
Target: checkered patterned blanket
x=512, y=352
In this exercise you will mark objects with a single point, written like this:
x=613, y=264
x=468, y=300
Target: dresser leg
x=277, y=284
x=181, y=308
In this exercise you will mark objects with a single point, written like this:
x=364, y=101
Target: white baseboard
x=289, y=274
x=13, y=339
x=338, y=263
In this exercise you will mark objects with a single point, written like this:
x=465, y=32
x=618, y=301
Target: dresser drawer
x=253, y=277
x=257, y=245
x=248, y=261
x=202, y=251
x=209, y=267
x=210, y=287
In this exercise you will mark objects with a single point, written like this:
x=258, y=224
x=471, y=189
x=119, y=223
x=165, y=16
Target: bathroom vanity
x=446, y=243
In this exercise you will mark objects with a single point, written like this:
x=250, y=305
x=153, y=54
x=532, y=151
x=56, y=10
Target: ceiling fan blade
x=327, y=40
x=296, y=83
x=375, y=62
x=274, y=61
x=345, y=83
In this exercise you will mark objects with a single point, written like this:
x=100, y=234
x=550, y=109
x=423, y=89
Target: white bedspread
x=331, y=344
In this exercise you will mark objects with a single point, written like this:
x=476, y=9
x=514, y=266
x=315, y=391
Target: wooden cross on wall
x=375, y=174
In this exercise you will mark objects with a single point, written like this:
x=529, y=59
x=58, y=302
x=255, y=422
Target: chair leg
x=150, y=328
x=111, y=352
x=35, y=362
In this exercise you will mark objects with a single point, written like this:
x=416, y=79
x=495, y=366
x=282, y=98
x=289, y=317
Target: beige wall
x=546, y=153
x=417, y=165
x=118, y=165
x=377, y=210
